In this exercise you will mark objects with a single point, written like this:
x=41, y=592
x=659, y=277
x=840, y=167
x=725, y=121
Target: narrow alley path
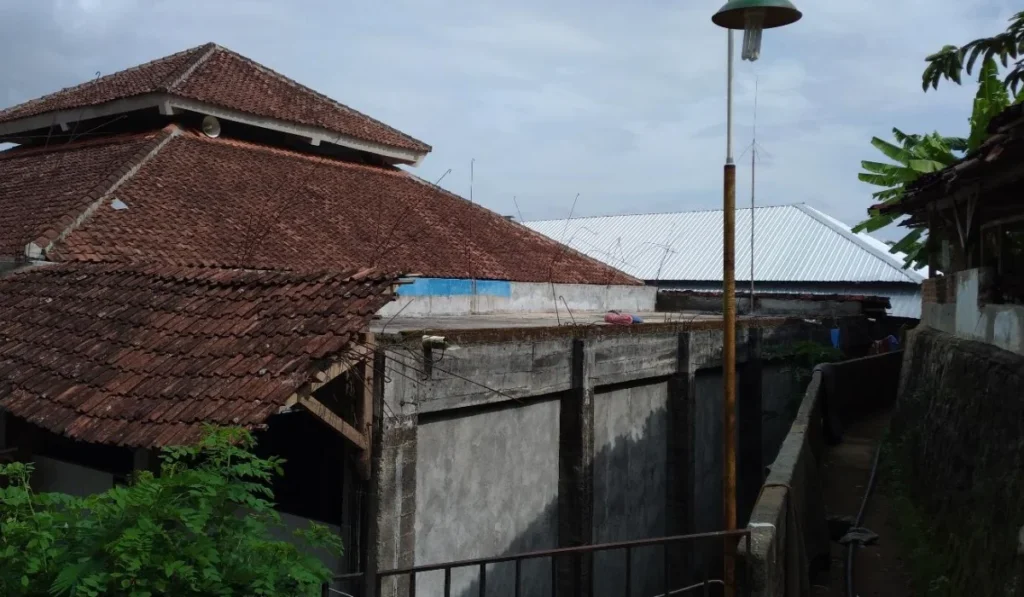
x=879, y=569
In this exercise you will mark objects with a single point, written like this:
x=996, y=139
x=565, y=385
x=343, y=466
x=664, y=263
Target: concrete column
x=576, y=475
x=371, y=520
x=681, y=500
x=395, y=517
x=749, y=461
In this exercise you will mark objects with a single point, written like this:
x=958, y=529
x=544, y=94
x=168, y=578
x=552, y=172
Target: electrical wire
x=851, y=547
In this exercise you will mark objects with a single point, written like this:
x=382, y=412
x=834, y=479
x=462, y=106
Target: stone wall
x=959, y=428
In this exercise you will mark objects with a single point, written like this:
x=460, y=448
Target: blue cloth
x=835, y=337
x=637, y=319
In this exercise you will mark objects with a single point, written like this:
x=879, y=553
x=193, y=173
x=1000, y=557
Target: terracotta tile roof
x=215, y=75
x=218, y=202
x=42, y=191
x=142, y=355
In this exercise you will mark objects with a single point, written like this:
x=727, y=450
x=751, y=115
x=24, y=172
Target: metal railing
x=576, y=554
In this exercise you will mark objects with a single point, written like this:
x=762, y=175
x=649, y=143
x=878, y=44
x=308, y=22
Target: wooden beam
x=364, y=406
x=320, y=411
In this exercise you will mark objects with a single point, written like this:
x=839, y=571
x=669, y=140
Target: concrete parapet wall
x=788, y=520
x=466, y=297
x=789, y=536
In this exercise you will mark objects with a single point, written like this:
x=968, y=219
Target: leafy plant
x=200, y=527
x=911, y=157
x=951, y=61
x=914, y=156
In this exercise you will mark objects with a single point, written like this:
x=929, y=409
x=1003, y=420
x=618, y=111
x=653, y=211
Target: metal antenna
x=518, y=211
x=753, y=167
x=446, y=173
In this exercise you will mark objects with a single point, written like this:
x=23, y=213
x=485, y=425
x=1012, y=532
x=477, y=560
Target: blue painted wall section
x=456, y=287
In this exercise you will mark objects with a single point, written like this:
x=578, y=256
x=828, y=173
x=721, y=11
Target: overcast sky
x=621, y=102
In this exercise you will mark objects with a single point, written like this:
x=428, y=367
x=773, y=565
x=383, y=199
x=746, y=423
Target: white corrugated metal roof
x=794, y=243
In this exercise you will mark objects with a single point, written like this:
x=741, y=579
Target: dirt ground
x=879, y=569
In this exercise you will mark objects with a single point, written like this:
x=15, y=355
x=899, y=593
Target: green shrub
x=200, y=527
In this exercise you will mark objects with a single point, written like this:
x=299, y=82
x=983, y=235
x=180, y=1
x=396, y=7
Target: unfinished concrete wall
x=464, y=297
x=971, y=318
x=486, y=483
x=630, y=491
x=507, y=446
x=780, y=399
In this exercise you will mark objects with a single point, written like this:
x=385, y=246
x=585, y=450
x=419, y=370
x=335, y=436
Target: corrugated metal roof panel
x=794, y=243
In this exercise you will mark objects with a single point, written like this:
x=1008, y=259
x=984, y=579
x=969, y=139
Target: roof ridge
x=91, y=201
x=332, y=101
x=177, y=78
x=659, y=213
x=852, y=237
x=97, y=81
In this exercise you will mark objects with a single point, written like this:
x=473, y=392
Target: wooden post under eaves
x=364, y=400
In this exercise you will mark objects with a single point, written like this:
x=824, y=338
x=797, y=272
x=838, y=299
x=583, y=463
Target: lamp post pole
x=752, y=16
x=729, y=335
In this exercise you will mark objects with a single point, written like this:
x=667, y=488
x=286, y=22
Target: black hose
x=851, y=547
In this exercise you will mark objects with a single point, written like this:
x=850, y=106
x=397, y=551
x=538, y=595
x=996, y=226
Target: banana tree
x=1008, y=47
x=916, y=155
x=911, y=157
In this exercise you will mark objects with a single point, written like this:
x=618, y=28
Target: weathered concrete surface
x=708, y=452
x=959, y=429
x=527, y=297
x=970, y=318
x=484, y=482
x=789, y=536
x=777, y=304
x=610, y=482
x=787, y=524
x=478, y=374
x=780, y=398
x=396, y=506
x=630, y=441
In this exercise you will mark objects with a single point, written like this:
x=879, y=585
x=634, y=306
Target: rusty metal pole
x=729, y=341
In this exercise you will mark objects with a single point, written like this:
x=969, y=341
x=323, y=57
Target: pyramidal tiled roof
x=177, y=197
x=215, y=75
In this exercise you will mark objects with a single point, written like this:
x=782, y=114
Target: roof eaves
x=48, y=238
x=859, y=242
x=419, y=145
x=99, y=80
x=314, y=134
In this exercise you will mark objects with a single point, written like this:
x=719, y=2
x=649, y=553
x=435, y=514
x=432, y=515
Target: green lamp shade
x=776, y=13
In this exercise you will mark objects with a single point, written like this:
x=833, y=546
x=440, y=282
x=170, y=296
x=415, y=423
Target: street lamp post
x=752, y=16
